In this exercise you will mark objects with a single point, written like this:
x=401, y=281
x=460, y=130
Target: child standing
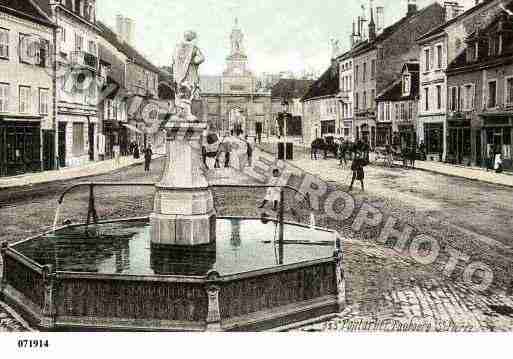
x=273, y=193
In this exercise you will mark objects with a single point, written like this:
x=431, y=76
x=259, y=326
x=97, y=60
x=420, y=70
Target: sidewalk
x=92, y=169
x=475, y=174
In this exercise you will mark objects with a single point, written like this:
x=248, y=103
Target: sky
x=284, y=35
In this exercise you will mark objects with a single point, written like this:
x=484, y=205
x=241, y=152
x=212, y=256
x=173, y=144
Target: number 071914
x=33, y=344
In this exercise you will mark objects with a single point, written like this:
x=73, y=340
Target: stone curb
x=418, y=169
x=73, y=178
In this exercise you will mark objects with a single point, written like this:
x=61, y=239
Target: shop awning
x=132, y=128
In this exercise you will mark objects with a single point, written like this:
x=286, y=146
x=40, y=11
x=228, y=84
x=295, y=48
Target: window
x=92, y=48
x=426, y=60
x=63, y=34
x=78, y=139
x=492, y=94
x=397, y=112
x=426, y=99
x=468, y=103
x=388, y=112
x=403, y=112
x=79, y=42
x=373, y=98
x=410, y=112
x=364, y=76
x=453, y=99
x=24, y=99
x=364, y=99
x=509, y=91
x=381, y=111
x=4, y=43
x=439, y=56
x=406, y=85
x=373, y=69
x=357, y=68
x=356, y=102
x=4, y=97
x=28, y=50
x=43, y=101
x=438, y=97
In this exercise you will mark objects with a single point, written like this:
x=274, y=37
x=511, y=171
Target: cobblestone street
x=381, y=283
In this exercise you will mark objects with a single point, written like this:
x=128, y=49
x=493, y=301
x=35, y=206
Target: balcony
x=82, y=59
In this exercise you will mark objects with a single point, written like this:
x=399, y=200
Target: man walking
x=148, y=155
x=249, y=152
x=358, y=172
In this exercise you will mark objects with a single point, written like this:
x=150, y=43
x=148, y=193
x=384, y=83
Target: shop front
x=328, y=127
x=459, y=142
x=497, y=135
x=384, y=134
x=20, y=146
x=434, y=140
x=407, y=135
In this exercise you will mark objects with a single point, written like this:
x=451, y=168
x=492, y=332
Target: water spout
x=312, y=221
x=56, y=219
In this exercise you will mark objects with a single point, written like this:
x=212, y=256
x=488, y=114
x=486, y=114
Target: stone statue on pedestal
x=186, y=62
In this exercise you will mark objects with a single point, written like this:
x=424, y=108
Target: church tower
x=237, y=61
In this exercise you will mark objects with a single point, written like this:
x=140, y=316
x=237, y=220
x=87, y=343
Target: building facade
x=27, y=136
x=397, y=110
x=346, y=97
x=438, y=48
x=232, y=102
x=480, y=94
x=286, y=100
x=378, y=61
x=321, y=106
x=77, y=79
x=130, y=112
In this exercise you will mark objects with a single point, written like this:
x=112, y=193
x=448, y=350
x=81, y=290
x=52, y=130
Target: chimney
x=452, y=9
x=380, y=18
x=125, y=29
x=372, y=27
x=412, y=7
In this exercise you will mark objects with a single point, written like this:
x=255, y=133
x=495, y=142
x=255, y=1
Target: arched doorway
x=236, y=121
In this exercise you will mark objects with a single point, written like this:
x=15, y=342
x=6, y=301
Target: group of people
x=147, y=152
x=218, y=154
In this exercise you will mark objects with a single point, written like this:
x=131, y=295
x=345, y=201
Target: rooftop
x=291, y=88
x=108, y=34
x=26, y=9
x=326, y=85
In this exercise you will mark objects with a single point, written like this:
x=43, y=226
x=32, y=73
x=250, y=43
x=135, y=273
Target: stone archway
x=236, y=119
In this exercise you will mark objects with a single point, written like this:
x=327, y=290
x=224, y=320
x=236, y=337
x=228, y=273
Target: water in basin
x=125, y=248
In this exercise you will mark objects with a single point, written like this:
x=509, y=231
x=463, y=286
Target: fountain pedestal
x=184, y=212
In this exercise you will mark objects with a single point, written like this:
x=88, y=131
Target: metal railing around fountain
x=92, y=213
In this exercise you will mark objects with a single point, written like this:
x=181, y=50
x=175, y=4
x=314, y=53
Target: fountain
x=183, y=268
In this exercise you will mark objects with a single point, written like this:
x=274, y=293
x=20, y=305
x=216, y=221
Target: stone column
x=184, y=211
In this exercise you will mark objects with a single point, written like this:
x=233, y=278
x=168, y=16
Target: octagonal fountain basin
x=112, y=277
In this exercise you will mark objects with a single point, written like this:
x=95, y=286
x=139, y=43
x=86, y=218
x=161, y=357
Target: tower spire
x=372, y=24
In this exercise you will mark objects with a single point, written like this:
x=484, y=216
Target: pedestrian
x=249, y=152
x=117, y=154
x=227, y=151
x=498, y=163
x=358, y=171
x=136, y=152
x=148, y=155
x=273, y=193
x=342, y=150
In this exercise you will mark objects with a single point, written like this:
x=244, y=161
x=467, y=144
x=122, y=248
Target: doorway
x=92, y=143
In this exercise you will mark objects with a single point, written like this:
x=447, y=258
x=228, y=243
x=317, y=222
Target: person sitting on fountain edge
x=273, y=193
